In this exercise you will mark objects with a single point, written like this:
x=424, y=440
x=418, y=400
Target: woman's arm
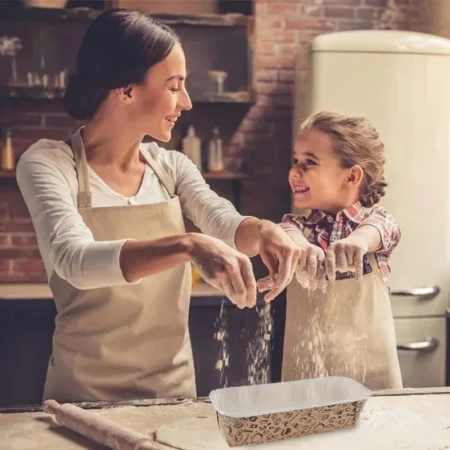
x=69, y=248
x=217, y=217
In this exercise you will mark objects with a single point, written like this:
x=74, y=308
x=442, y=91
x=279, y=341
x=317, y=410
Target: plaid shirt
x=326, y=229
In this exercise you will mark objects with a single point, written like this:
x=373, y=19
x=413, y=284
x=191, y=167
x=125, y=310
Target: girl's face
x=317, y=179
x=161, y=99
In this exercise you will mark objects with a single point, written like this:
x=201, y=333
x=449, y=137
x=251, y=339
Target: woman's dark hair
x=118, y=48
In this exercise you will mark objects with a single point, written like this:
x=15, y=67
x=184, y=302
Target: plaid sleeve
x=386, y=225
x=291, y=222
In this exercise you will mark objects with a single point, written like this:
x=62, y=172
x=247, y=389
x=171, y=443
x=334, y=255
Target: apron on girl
x=348, y=330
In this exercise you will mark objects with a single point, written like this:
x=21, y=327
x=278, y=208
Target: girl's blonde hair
x=355, y=142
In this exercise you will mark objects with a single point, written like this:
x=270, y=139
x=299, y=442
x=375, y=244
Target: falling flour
x=258, y=351
x=330, y=344
x=221, y=335
x=257, y=357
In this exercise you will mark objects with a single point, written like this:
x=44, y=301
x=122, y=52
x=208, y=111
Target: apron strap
x=165, y=179
x=84, y=197
x=84, y=192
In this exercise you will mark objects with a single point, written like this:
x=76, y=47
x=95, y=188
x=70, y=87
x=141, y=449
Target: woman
x=108, y=209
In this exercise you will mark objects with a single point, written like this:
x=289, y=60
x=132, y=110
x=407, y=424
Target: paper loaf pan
x=249, y=415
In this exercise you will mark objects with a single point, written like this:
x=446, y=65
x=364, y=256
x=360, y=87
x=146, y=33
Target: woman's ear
x=125, y=93
x=355, y=176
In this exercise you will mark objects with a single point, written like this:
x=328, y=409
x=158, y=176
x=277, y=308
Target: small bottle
x=215, y=155
x=192, y=147
x=7, y=153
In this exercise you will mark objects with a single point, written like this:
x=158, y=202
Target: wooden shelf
x=41, y=93
x=222, y=175
x=7, y=175
x=87, y=15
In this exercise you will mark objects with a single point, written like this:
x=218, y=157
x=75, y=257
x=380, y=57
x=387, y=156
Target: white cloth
x=47, y=179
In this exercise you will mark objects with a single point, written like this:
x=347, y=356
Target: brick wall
x=283, y=31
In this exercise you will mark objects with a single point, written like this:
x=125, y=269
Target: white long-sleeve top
x=47, y=179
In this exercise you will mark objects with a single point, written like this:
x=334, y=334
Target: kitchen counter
x=42, y=291
x=409, y=419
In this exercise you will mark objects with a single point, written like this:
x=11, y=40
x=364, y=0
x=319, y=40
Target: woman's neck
x=110, y=142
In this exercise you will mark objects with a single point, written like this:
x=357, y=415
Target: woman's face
x=160, y=100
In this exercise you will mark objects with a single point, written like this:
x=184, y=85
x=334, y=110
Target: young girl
x=345, y=328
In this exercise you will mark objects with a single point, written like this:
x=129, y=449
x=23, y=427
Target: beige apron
x=346, y=331
x=123, y=342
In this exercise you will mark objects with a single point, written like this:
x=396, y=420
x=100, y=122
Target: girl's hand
x=346, y=255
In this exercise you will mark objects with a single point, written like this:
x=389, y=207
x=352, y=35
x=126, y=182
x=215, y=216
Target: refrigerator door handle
x=421, y=293
x=429, y=344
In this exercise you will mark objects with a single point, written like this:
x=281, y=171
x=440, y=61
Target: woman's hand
x=346, y=255
x=224, y=268
x=280, y=254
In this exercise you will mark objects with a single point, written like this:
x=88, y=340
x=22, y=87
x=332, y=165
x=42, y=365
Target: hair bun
x=374, y=193
x=81, y=98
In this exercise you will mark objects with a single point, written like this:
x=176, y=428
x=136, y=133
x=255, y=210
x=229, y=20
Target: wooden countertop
x=410, y=419
x=42, y=291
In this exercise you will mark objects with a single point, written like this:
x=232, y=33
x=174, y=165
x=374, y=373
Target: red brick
x=266, y=75
x=283, y=100
x=286, y=61
x=24, y=240
x=34, y=134
x=24, y=119
x=283, y=128
x=274, y=88
x=267, y=49
x=5, y=240
x=30, y=105
x=248, y=126
x=5, y=268
x=312, y=11
x=265, y=62
x=8, y=226
x=277, y=35
x=282, y=113
x=355, y=25
x=59, y=120
x=4, y=212
x=18, y=212
x=25, y=271
x=366, y=13
x=34, y=265
x=23, y=278
x=377, y=3
x=251, y=139
x=270, y=22
x=286, y=76
x=258, y=112
x=339, y=13
x=342, y=2
x=288, y=50
x=282, y=9
x=17, y=253
x=306, y=36
x=237, y=140
x=312, y=24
